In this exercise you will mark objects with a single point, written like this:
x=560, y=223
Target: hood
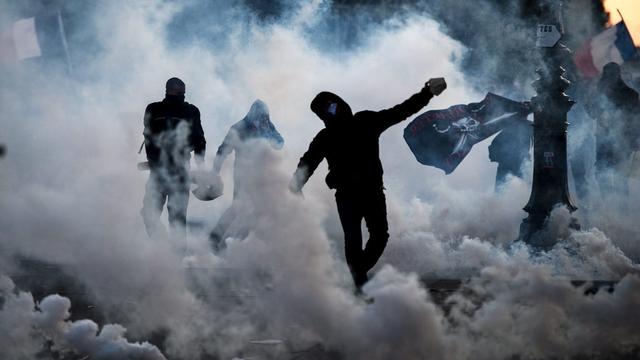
x=611, y=77
x=331, y=108
x=257, y=123
x=258, y=111
x=258, y=116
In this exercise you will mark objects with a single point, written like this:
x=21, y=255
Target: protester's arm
x=224, y=150
x=197, y=139
x=308, y=163
x=150, y=147
x=398, y=113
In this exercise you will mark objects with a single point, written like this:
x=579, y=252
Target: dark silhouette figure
x=511, y=149
x=349, y=142
x=616, y=108
x=256, y=126
x=172, y=129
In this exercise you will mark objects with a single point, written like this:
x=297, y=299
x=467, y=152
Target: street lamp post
x=550, y=106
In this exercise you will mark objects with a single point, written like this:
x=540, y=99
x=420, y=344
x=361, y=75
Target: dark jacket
x=350, y=142
x=616, y=107
x=172, y=129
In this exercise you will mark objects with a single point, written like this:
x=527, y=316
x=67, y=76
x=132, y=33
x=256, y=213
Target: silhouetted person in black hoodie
x=616, y=108
x=349, y=142
x=172, y=129
x=510, y=149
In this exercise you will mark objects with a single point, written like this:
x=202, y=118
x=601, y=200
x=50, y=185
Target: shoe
x=360, y=295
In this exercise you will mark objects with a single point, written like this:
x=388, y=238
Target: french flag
x=612, y=45
x=35, y=37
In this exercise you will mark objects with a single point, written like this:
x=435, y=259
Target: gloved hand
x=295, y=188
x=199, y=162
x=144, y=165
x=527, y=108
x=436, y=85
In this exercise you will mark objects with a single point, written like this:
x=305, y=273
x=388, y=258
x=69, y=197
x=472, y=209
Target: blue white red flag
x=612, y=45
x=34, y=37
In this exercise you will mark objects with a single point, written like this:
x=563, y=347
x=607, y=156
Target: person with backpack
x=172, y=130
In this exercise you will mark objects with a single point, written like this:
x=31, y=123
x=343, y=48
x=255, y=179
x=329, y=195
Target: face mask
x=331, y=110
x=176, y=98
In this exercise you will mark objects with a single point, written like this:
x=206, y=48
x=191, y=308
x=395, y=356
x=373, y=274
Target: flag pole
x=621, y=17
x=64, y=41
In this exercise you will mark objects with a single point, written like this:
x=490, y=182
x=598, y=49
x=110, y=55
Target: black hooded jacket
x=616, y=107
x=172, y=129
x=349, y=142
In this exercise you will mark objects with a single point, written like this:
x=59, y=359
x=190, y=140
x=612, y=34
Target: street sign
x=547, y=36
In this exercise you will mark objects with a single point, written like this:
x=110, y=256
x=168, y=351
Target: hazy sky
x=630, y=9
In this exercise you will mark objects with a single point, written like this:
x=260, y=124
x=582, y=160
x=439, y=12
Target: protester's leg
x=501, y=177
x=350, y=214
x=177, y=209
x=217, y=236
x=152, y=203
x=375, y=216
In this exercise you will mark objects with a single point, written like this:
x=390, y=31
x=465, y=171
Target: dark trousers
x=353, y=206
x=172, y=189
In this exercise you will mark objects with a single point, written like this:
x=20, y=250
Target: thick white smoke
x=70, y=195
x=26, y=325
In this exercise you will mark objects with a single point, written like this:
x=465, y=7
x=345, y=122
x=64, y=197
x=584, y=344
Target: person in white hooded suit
x=245, y=138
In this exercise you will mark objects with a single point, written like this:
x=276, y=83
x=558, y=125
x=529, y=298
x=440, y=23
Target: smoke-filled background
x=70, y=193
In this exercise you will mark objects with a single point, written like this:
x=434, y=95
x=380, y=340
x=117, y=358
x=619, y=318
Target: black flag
x=443, y=138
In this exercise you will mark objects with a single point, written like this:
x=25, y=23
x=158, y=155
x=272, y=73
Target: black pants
x=353, y=206
x=172, y=189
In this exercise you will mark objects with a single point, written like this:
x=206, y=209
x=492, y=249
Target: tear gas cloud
x=71, y=195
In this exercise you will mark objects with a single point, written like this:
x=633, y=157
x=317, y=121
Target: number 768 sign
x=547, y=36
